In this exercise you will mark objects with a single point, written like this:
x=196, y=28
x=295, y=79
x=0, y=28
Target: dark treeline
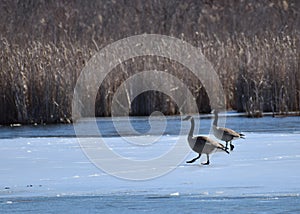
x=252, y=44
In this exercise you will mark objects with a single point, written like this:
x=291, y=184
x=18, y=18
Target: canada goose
x=202, y=144
x=225, y=134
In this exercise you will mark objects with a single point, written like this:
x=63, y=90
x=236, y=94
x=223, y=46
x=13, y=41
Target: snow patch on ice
x=175, y=194
x=94, y=175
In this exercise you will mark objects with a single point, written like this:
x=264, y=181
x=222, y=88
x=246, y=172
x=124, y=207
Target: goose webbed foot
x=207, y=163
x=231, y=147
x=193, y=160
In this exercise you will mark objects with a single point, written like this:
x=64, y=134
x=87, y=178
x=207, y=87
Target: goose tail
x=224, y=149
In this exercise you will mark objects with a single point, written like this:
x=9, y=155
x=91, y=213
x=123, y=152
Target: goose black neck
x=192, y=127
x=216, y=119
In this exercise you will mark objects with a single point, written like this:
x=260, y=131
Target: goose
x=225, y=134
x=202, y=144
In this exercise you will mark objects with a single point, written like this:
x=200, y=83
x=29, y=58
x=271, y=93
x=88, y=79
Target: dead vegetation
x=253, y=46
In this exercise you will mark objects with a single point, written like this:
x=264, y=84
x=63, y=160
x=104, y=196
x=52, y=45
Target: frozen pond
x=43, y=169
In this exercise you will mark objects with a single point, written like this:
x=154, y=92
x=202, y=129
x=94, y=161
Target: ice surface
x=44, y=170
x=262, y=164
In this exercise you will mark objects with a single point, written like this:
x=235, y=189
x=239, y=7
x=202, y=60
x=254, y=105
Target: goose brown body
x=202, y=144
x=225, y=134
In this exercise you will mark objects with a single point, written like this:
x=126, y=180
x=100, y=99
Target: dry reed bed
x=258, y=74
x=252, y=44
x=37, y=82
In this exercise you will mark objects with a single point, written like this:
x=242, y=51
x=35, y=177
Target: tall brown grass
x=37, y=81
x=253, y=45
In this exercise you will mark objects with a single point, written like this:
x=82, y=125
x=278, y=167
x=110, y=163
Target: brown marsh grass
x=253, y=45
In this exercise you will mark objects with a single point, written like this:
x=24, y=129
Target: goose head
x=215, y=112
x=188, y=117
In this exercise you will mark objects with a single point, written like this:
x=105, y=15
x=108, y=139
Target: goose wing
x=202, y=141
x=212, y=142
x=228, y=131
x=216, y=144
x=198, y=143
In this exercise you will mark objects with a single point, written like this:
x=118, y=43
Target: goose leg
x=191, y=161
x=226, y=145
x=207, y=163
